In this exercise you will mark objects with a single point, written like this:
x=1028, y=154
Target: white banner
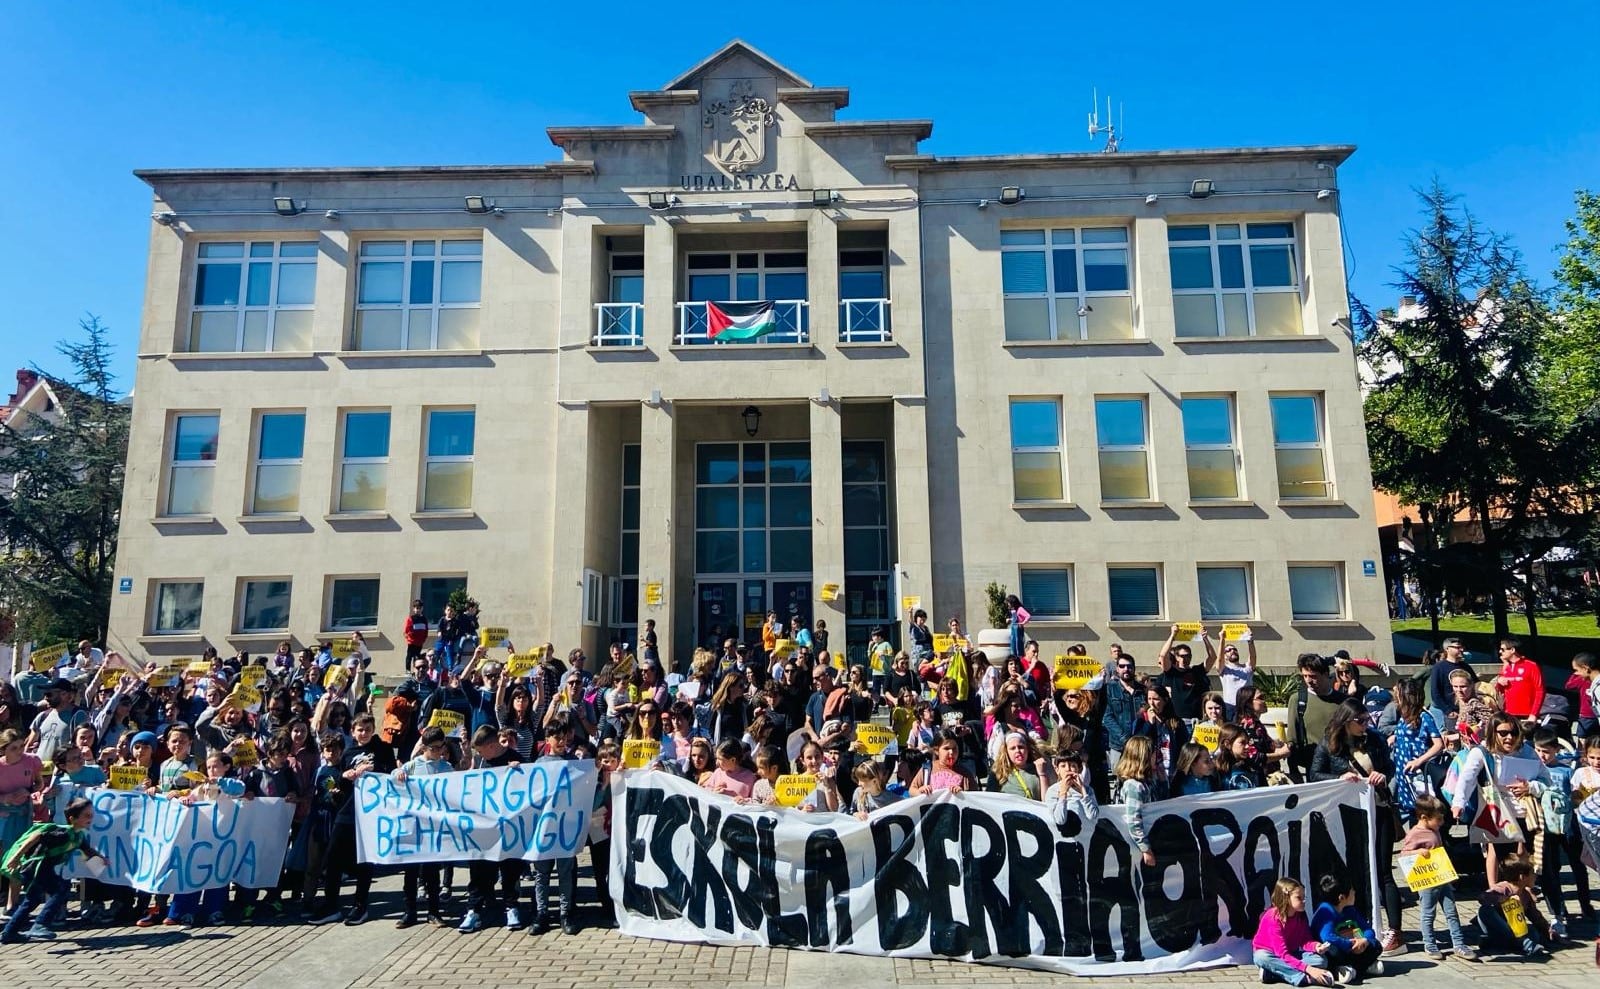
x=531, y=811
x=979, y=877
x=161, y=845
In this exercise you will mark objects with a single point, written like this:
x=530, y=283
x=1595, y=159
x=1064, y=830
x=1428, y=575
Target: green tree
x=1457, y=422
x=62, y=480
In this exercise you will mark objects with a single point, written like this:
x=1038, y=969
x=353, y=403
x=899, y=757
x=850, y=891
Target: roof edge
x=919, y=129
x=151, y=176
x=1337, y=154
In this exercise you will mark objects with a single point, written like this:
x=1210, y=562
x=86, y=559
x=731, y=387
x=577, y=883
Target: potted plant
x=1281, y=691
x=995, y=640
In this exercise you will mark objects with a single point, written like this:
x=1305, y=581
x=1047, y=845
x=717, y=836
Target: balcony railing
x=864, y=321
x=792, y=315
x=619, y=324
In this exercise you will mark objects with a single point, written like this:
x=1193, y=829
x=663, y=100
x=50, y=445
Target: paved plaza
x=376, y=955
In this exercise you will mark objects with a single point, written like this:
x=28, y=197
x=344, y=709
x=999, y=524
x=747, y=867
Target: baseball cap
x=62, y=683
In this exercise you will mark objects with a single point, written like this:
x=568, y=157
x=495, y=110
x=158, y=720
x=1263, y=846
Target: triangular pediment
x=737, y=50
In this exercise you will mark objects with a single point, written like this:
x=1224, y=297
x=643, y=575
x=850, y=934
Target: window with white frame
x=418, y=295
x=1134, y=591
x=447, y=467
x=1316, y=591
x=1208, y=441
x=192, y=463
x=264, y=605
x=1297, y=439
x=255, y=296
x=280, y=448
x=176, y=608
x=1066, y=283
x=1235, y=279
x=1036, y=450
x=1224, y=591
x=593, y=591
x=364, y=463
x=1046, y=591
x=352, y=603
x=1121, y=429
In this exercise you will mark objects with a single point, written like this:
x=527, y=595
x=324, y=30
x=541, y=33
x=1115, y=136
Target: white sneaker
x=1376, y=968
x=1345, y=975
x=513, y=919
x=470, y=923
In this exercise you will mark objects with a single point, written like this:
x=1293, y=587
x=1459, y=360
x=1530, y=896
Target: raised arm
x=1166, y=646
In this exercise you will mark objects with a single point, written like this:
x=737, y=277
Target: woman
x=1265, y=749
x=861, y=699
x=901, y=678
x=1483, y=762
x=1167, y=733
x=1019, y=769
x=646, y=722
x=513, y=711
x=700, y=763
x=730, y=713
x=1347, y=752
x=1009, y=712
x=1016, y=620
x=1080, y=708
x=651, y=686
x=1416, y=742
x=20, y=777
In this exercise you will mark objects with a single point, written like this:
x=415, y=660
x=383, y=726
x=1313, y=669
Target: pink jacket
x=1277, y=935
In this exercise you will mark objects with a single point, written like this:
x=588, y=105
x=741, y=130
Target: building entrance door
x=790, y=598
x=717, y=613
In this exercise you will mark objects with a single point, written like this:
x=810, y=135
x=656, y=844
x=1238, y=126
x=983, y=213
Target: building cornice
x=916, y=129
x=645, y=100
x=152, y=176
x=567, y=136
x=837, y=97
x=1335, y=154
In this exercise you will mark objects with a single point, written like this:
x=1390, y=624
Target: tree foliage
x=62, y=478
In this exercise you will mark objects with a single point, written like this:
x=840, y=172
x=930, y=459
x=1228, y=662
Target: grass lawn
x=1561, y=624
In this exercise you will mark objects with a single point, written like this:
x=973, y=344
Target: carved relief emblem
x=736, y=128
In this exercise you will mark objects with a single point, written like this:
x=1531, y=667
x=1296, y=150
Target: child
x=1134, y=771
x=1283, y=945
x=1069, y=795
x=558, y=740
x=332, y=846
x=870, y=793
x=1507, y=915
x=1193, y=772
x=1351, y=944
x=180, y=742
x=1560, y=832
x=274, y=777
x=1432, y=813
x=769, y=766
x=434, y=760
x=1232, y=761
x=607, y=761
x=186, y=908
x=33, y=861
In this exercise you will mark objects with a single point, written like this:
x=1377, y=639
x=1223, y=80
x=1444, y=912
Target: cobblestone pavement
x=375, y=955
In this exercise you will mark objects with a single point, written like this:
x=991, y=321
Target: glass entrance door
x=790, y=598
x=717, y=613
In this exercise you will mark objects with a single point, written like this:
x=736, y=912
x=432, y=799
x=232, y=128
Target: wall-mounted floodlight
x=286, y=206
x=478, y=204
x=1011, y=195
x=1201, y=189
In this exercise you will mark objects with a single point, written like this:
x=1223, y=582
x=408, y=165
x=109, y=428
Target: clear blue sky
x=1501, y=103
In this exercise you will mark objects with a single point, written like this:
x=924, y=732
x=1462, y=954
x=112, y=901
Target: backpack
x=399, y=718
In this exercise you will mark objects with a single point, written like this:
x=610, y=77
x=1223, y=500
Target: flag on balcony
x=740, y=320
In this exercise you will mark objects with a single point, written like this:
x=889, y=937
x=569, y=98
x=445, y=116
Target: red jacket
x=417, y=628
x=1523, y=689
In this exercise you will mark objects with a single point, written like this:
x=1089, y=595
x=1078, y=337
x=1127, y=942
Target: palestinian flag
x=740, y=320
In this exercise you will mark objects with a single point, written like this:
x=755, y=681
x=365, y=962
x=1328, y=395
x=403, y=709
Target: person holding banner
x=1069, y=794
x=488, y=752
x=1348, y=752
x=433, y=760
x=1428, y=836
x=558, y=741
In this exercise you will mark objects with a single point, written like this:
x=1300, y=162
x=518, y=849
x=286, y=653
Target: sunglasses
x=1504, y=733
x=1124, y=666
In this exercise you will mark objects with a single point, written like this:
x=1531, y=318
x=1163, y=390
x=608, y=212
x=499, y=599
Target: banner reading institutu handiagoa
x=980, y=877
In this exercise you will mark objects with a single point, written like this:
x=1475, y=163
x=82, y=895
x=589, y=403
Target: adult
x=921, y=637
x=1121, y=703
x=1452, y=658
x=1520, y=683
x=1483, y=762
x=1313, y=708
x=1167, y=732
x=55, y=727
x=1417, y=740
x=1233, y=673
x=1187, y=684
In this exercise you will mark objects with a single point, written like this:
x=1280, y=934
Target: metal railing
x=792, y=315
x=618, y=324
x=864, y=321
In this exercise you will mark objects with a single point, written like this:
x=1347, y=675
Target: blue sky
x=1499, y=102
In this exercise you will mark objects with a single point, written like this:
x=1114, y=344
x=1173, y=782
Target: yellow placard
x=449, y=722
x=199, y=668
x=1427, y=869
x=195, y=776
x=942, y=643
x=910, y=603
x=253, y=676
x=754, y=619
x=520, y=664
x=791, y=790
x=129, y=777
x=335, y=677
x=830, y=592
x=653, y=593
x=874, y=738
x=1189, y=630
x=782, y=648
x=166, y=675
x=342, y=648
x=111, y=677
x=245, y=753
x=1208, y=735
x=1236, y=632
x=1072, y=672
x=1516, y=919
x=637, y=753
x=495, y=637
x=248, y=698
x=45, y=659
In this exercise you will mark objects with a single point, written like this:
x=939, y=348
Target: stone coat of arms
x=737, y=128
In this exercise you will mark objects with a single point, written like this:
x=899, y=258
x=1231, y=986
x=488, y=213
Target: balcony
x=618, y=324
x=792, y=316
x=864, y=321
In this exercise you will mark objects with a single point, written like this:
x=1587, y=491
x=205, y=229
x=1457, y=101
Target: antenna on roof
x=1112, y=130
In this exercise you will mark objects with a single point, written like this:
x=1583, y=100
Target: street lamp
x=752, y=419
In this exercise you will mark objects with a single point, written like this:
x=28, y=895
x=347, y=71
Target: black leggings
x=1386, y=884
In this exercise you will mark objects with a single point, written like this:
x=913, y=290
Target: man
x=1186, y=684
x=86, y=658
x=577, y=662
x=53, y=728
x=827, y=701
x=1122, y=701
x=1040, y=675
x=880, y=654
x=1318, y=699
x=730, y=656
x=415, y=633
x=1444, y=699
x=1520, y=683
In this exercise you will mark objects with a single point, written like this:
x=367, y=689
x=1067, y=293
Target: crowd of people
x=305, y=726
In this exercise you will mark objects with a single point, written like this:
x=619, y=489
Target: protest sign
x=159, y=845
x=252, y=676
x=942, y=643
x=531, y=811
x=1236, y=632
x=110, y=678
x=341, y=648
x=46, y=658
x=129, y=777
x=792, y=789
x=520, y=664
x=910, y=603
x=652, y=593
x=335, y=677
x=637, y=753
x=245, y=754
x=1073, y=672
x=830, y=592
x=980, y=877
x=166, y=675
x=1191, y=631
x=781, y=648
x=495, y=637
x=449, y=722
x=874, y=738
x=248, y=698
x=1427, y=869
x=1208, y=735
x=199, y=668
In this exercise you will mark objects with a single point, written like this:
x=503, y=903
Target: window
x=627, y=278
x=1066, y=284
x=752, y=508
x=1047, y=592
x=447, y=471
x=1235, y=280
x=625, y=604
x=418, y=295
x=1224, y=590
x=264, y=605
x=177, y=607
x=435, y=592
x=1036, y=450
x=1124, y=455
x=592, y=588
x=364, y=469
x=1316, y=591
x=253, y=297
x=746, y=276
x=1208, y=443
x=352, y=603
x=866, y=539
x=863, y=296
x=1135, y=592
x=280, y=445
x=192, y=464
x=1297, y=444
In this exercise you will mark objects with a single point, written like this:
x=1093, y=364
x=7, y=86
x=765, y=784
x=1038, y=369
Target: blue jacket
x=1341, y=927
